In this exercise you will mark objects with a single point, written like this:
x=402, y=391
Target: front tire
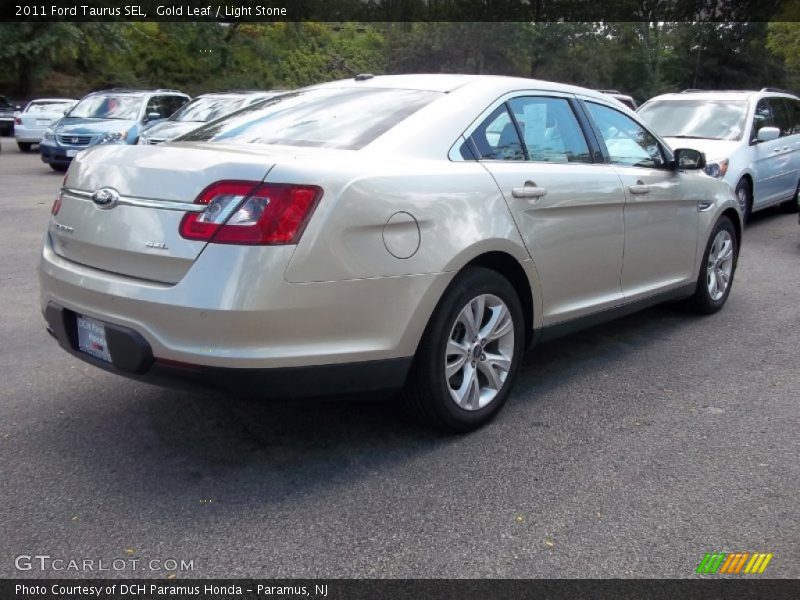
x=469, y=354
x=717, y=269
x=58, y=167
x=24, y=146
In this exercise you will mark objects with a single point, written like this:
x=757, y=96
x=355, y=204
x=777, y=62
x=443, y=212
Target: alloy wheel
x=479, y=352
x=720, y=265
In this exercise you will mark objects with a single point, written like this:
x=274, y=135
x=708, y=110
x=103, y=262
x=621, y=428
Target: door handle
x=639, y=188
x=529, y=190
x=777, y=150
x=704, y=206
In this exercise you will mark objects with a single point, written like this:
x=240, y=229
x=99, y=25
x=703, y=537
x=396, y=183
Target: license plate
x=43, y=121
x=92, y=338
x=72, y=153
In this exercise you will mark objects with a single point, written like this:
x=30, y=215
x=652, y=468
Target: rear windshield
x=706, y=119
x=48, y=107
x=108, y=106
x=346, y=118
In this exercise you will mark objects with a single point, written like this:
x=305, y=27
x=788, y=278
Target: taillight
x=56, y=205
x=246, y=212
x=17, y=120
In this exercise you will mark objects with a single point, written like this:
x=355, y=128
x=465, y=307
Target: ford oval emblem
x=105, y=198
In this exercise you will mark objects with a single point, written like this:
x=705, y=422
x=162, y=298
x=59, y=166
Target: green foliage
x=642, y=59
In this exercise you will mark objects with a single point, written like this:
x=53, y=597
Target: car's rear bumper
x=233, y=316
x=132, y=357
x=29, y=135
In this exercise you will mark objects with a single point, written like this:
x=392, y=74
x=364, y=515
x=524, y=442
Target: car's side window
x=174, y=103
x=794, y=112
x=496, y=138
x=783, y=119
x=628, y=143
x=763, y=117
x=160, y=105
x=550, y=130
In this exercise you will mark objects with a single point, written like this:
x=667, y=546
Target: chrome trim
x=140, y=202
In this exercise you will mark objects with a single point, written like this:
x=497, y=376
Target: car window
x=325, y=117
x=783, y=119
x=161, y=105
x=48, y=107
x=696, y=118
x=174, y=103
x=794, y=112
x=628, y=143
x=763, y=117
x=550, y=130
x=208, y=108
x=108, y=106
x=496, y=138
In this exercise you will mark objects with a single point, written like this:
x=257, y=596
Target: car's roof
x=450, y=82
x=721, y=95
x=52, y=100
x=120, y=91
x=237, y=94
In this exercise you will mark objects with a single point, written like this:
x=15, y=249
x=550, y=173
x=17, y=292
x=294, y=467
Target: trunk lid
x=156, y=186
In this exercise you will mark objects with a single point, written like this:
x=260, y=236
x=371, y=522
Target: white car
x=377, y=234
x=31, y=123
x=751, y=139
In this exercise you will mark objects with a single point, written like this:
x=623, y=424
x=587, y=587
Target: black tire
x=426, y=395
x=702, y=301
x=24, y=146
x=744, y=194
x=58, y=167
x=791, y=205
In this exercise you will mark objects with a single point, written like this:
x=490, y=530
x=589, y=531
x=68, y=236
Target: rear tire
x=744, y=193
x=791, y=206
x=717, y=269
x=59, y=168
x=469, y=354
x=24, y=146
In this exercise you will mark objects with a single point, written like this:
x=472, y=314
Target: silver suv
x=751, y=139
x=413, y=233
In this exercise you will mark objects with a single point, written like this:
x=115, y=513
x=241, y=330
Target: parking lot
x=628, y=450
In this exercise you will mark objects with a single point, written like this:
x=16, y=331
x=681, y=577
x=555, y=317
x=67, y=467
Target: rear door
x=661, y=212
x=567, y=207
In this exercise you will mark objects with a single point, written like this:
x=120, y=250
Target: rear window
x=345, y=118
x=48, y=107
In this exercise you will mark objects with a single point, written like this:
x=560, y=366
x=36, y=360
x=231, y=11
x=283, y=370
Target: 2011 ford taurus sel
x=411, y=233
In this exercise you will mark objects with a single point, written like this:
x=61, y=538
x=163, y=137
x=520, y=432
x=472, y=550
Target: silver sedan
x=381, y=234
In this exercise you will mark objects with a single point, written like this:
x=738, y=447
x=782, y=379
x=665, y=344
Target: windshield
x=202, y=110
x=347, y=118
x=48, y=107
x=707, y=119
x=108, y=106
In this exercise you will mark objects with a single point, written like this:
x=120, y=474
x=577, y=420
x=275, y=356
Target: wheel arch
x=510, y=268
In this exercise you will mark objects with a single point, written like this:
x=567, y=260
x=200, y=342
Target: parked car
x=109, y=117
x=751, y=139
x=624, y=98
x=7, y=110
x=37, y=116
x=371, y=235
x=202, y=109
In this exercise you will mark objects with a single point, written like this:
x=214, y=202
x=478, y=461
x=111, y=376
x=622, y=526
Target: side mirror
x=689, y=158
x=766, y=134
x=152, y=117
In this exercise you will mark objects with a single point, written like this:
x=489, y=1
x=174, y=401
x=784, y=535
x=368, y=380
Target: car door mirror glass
x=766, y=134
x=689, y=158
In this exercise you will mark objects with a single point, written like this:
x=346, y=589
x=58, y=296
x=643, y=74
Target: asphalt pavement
x=628, y=450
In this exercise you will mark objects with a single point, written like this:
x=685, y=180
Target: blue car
x=109, y=117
